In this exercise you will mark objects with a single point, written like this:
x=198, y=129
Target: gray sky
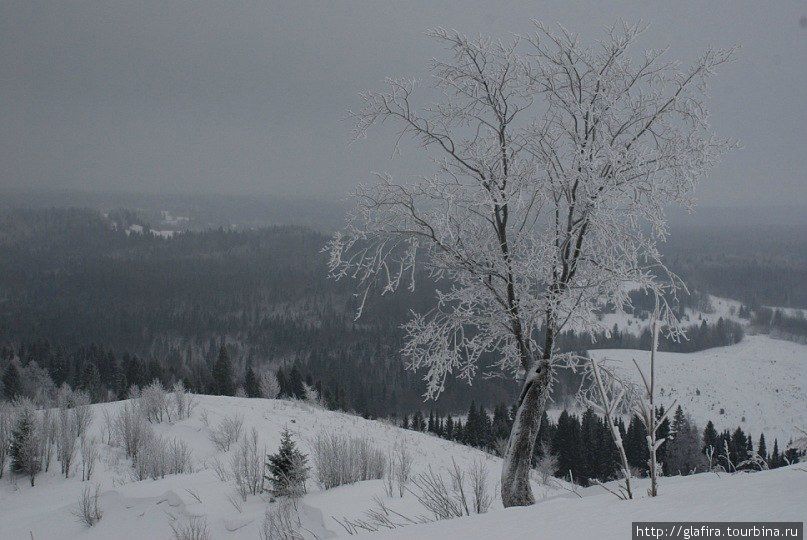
x=249, y=97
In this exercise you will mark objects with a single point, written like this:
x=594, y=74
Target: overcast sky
x=249, y=97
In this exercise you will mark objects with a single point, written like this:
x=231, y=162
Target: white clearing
x=759, y=384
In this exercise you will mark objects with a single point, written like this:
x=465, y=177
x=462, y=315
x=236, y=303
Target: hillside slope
x=145, y=509
x=759, y=384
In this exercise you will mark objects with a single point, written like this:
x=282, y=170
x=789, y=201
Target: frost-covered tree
x=25, y=450
x=553, y=163
x=270, y=387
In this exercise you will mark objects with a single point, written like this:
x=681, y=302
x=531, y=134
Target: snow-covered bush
x=226, y=433
x=154, y=403
x=341, y=459
x=184, y=402
x=66, y=439
x=247, y=466
x=195, y=528
x=88, y=511
x=159, y=457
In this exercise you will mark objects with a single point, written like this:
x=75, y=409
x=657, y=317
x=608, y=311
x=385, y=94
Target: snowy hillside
x=145, y=509
x=759, y=384
x=701, y=497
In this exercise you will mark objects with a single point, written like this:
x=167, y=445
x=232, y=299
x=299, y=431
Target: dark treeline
x=92, y=305
x=581, y=446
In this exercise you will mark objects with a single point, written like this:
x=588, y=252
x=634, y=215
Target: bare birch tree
x=553, y=163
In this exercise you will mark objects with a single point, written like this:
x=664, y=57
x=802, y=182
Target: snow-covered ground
x=777, y=495
x=759, y=384
x=144, y=509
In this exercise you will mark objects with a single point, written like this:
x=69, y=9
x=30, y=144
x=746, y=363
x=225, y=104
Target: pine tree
x=223, y=374
x=296, y=388
x=762, y=449
x=567, y=445
x=287, y=470
x=11, y=382
x=448, y=431
x=251, y=385
x=775, y=460
x=711, y=438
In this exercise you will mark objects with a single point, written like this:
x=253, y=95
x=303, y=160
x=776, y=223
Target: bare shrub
x=403, y=465
x=227, y=432
x=281, y=522
x=220, y=469
x=481, y=497
x=195, y=528
x=247, y=466
x=341, y=459
x=131, y=429
x=547, y=464
x=89, y=455
x=451, y=500
x=84, y=414
x=88, y=511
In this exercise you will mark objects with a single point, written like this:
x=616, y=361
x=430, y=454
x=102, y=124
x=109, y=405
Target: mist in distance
x=191, y=98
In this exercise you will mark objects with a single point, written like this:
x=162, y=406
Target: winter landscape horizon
x=403, y=270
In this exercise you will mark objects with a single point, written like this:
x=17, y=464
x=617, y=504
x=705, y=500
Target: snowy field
x=145, y=509
x=759, y=384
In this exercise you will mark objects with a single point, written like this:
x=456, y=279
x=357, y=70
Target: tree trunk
x=516, y=467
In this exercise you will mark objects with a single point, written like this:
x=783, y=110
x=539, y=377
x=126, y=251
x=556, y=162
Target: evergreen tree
x=251, y=385
x=567, y=445
x=738, y=447
x=287, y=470
x=448, y=431
x=223, y=384
x=405, y=421
x=296, y=389
x=762, y=449
x=711, y=438
x=776, y=460
x=636, y=444
x=11, y=382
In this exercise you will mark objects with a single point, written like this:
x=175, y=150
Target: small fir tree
x=287, y=470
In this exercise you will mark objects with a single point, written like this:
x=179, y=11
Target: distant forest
x=77, y=287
